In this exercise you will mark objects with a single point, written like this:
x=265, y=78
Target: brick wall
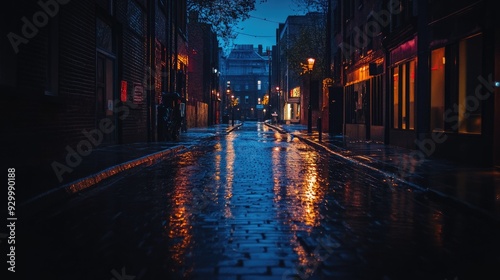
x=41, y=126
x=61, y=57
x=133, y=68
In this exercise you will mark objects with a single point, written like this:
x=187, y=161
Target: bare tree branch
x=223, y=15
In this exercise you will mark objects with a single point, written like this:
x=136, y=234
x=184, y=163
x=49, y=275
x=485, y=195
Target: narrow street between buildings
x=256, y=204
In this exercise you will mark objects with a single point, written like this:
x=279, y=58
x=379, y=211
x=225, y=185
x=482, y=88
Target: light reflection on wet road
x=256, y=204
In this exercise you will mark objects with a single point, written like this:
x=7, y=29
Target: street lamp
x=232, y=110
x=279, y=101
x=310, y=64
x=227, y=101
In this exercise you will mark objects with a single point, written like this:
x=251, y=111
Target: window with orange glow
x=469, y=68
x=437, y=89
x=395, y=94
x=411, y=93
x=403, y=92
x=295, y=92
x=403, y=96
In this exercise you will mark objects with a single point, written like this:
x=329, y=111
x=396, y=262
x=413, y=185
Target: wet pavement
x=256, y=204
x=473, y=187
x=40, y=183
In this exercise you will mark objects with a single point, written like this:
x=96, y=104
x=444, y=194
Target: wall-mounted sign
x=123, y=92
x=138, y=93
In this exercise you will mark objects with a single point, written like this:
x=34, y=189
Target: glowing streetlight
x=310, y=65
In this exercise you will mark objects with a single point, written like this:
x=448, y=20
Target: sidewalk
x=105, y=162
x=476, y=188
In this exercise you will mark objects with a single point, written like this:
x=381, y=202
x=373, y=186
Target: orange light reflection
x=230, y=157
x=304, y=195
x=179, y=227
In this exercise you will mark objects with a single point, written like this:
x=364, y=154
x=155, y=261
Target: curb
x=431, y=191
x=324, y=147
x=229, y=130
x=67, y=190
x=79, y=185
x=279, y=129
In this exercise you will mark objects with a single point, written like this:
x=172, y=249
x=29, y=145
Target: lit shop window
x=469, y=69
x=395, y=92
x=295, y=92
x=403, y=92
x=438, y=61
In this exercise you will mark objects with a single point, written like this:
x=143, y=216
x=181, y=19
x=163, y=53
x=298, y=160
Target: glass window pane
x=469, y=106
x=395, y=94
x=437, y=89
x=411, y=93
x=104, y=36
x=403, y=96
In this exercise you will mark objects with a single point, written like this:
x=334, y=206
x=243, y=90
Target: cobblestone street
x=256, y=204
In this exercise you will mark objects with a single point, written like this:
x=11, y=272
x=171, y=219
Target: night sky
x=260, y=28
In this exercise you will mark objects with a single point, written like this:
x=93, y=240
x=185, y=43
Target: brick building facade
x=417, y=74
x=79, y=75
x=203, y=72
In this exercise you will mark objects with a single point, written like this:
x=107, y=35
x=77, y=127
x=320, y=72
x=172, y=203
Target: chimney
x=260, y=49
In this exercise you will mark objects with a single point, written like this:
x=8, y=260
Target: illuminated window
x=403, y=93
x=411, y=91
x=469, y=105
x=437, y=89
x=295, y=92
x=403, y=96
x=259, y=85
x=395, y=91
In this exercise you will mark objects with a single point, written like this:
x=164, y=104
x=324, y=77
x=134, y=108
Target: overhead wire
x=251, y=35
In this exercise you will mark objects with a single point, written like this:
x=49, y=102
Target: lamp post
x=232, y=110
x=310, y=64
x=227, y=99
x=278, y=107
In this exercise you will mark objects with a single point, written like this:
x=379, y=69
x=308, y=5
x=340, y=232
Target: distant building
x=247, y=77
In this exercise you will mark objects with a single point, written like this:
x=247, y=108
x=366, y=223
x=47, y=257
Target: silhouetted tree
x=320, y=6
x=223, y=15
x=310, y=41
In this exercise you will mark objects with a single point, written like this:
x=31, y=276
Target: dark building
x=247, y=76
x=294, y=86
x=204, y=93
x=362, y=57
x=419, y=74
x=78, y=75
